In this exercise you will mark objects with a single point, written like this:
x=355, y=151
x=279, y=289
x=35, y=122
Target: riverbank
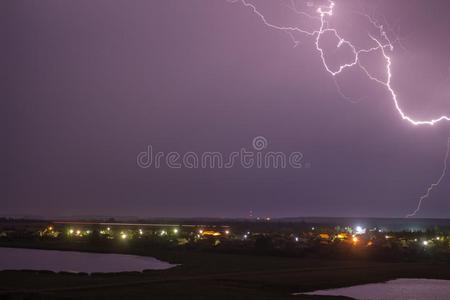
x=76, y=261
x=206, y=275
x=418, y=289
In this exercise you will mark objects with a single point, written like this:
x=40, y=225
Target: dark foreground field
x=210, y=276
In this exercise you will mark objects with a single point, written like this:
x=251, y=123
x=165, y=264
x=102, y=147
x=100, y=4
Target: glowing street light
x=360, y=230
x=175, y=230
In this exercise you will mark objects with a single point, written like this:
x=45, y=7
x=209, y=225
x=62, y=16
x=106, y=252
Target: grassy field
x=207, y=276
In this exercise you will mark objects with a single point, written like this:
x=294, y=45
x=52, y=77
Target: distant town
x=419, y=240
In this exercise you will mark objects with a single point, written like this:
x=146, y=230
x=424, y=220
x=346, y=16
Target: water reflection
x=71, y=261
x=417, y=289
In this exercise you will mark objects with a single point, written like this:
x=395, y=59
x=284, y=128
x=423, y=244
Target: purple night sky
x=88, y=84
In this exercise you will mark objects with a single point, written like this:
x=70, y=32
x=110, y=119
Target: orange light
x=210, y=232
x=355, y=239
x=342, y=236
x=324, y=236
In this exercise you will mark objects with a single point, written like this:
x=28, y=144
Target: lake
x=72, y=261
x=417, y=289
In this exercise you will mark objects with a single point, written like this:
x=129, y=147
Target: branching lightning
x=381, y=44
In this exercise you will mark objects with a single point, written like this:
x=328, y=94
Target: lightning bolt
x=433, y=185
x=381, y=44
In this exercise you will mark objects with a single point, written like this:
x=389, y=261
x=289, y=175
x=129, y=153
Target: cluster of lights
x=108, y=231
x=352, y=238
x=78, y=232
x=259, y=218
x=49, y=231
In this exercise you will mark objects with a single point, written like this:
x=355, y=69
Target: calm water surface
x=398, y=289
x=71, y=261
